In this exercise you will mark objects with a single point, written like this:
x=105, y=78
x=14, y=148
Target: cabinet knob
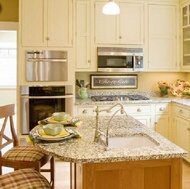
x=162, y=109
x=120, y=37
x=139, y=110
x=89, y=61
x=84, y=111
x=47, y=38
x=181, y=111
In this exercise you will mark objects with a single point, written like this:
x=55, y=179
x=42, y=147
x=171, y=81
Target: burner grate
x=119, y=98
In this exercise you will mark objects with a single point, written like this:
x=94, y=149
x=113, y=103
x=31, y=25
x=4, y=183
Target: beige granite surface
x=85, y=150
x=179, y=100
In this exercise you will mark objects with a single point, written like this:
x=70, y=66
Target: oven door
x=36, y=108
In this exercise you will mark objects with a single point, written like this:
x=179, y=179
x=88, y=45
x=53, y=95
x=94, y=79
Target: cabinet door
x=162, y=123
x=182, y=133
x=106, y=28
x=185, y=20
x=33, y=22
x=83, y=35
x=131, y=23
x=162, y=37
x=59, y=23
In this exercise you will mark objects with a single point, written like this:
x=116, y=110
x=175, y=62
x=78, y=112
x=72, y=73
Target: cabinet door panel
x=83, y=35
x=59, y=23
x=33, y=19
x=131, y=23
x=106, y=30
x=162, y=37
x=182, y=133
x=162, y=125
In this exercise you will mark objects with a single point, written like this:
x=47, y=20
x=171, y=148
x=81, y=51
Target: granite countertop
x=179, y=100
x=85, y=150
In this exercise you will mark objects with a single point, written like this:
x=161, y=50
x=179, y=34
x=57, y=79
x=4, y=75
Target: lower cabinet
x=181, y=127
x=162, y=123
x=139, y=112
x=147, y=174
x=162, y=117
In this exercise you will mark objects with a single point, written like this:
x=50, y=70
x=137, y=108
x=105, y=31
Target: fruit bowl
x=60, y=116
x=52, y=129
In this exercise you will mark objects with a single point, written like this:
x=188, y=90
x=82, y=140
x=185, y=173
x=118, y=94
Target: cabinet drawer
x=182, y=112
x=162, y=108
x=137, y=109
x=85, y=111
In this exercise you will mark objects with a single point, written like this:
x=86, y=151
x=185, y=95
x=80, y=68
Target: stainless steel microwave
x=117, y=59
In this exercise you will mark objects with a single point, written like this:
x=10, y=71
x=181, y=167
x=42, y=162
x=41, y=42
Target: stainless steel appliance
x=46, y=65
x=119, y=59
x=119, y=97
x=39, y=102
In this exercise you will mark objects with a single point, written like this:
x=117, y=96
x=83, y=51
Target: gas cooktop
x=119, y=98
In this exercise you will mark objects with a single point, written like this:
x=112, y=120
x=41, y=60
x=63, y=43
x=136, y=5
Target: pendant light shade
x=111, y=8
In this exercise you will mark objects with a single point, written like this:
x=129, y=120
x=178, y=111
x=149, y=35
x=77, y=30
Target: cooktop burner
x=119, y=98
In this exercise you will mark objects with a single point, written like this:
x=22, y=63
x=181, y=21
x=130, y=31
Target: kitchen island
x=135, y=168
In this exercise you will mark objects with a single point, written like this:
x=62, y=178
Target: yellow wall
x=7, y=96
x=9, y=10
x=146, y=81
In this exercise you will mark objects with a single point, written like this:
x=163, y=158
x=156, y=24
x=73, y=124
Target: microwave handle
x=134, y=61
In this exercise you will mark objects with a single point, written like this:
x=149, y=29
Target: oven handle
x=46, y=97
x=45, y=60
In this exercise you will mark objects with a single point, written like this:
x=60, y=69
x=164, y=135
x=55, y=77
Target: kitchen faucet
x=98, y=134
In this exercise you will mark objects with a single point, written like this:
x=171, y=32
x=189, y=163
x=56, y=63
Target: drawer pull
x=139, y=110
x=84, y=111
x=181, y=111
x=162, y=109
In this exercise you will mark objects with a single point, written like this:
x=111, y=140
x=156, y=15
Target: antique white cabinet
x=162, y=119
x=125, y=28
x=181, y=127
x=162, y=37
x=46, y=23
x=83, y=35
x=185, y=22
x=140, y=112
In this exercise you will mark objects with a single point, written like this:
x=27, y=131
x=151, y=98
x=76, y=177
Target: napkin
x=74, y=122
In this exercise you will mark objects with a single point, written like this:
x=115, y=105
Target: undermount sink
x=131, y=142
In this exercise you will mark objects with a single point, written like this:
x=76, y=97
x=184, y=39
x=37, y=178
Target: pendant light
x=111, y=8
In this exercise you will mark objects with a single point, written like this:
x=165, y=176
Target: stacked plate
x=66, y=133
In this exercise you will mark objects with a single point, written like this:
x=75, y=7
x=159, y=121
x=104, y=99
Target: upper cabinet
x=83, y=35
x=125, y=28
x=46, y=23
x=185, y=21
x=162, y=37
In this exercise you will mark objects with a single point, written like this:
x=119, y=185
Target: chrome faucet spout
x=98, y=133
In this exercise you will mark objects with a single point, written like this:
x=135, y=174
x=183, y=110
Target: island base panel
x=162, y=173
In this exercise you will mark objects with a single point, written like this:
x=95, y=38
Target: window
x=8, y=58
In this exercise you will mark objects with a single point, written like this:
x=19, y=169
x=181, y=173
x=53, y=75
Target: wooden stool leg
x=52, y=173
